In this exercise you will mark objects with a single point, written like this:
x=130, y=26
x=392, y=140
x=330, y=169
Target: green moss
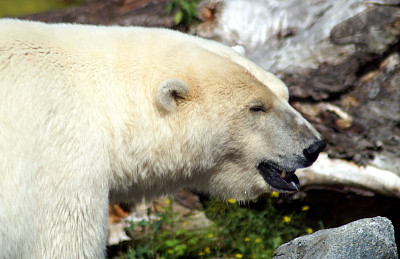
x=185, y=11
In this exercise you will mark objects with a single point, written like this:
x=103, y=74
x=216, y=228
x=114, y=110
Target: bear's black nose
x=311, y=153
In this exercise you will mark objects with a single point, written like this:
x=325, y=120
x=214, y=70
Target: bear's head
x=239, y=133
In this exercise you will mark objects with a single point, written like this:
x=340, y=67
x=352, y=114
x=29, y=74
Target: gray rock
x=366, y=238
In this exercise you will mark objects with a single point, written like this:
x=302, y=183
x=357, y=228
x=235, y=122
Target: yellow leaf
x=274, y=195
x=287, y=219
x=232, y=201
x=178, y=17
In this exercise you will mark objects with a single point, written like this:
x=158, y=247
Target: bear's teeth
x=283, y=174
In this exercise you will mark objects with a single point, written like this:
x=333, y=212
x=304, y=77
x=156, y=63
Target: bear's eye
x=257, y=108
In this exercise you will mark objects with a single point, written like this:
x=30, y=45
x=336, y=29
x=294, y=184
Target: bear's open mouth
x=280, y=179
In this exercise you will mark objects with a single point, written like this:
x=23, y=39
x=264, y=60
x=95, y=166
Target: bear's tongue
x=279, y=179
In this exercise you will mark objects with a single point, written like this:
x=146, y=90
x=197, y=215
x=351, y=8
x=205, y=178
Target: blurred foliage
x=185, y=11
x=239, y=231
x=14, y=8
x=256, y=230
x=166, y=237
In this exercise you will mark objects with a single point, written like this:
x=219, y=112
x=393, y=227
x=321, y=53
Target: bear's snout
x=311, y=153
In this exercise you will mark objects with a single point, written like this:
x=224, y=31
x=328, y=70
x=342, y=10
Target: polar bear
x=91, y=114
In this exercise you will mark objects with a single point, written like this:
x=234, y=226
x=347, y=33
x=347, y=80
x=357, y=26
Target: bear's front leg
x=73, y=224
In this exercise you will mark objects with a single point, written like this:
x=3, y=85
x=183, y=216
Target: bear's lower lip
x=280, y=179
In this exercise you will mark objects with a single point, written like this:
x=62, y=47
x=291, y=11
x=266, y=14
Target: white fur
x=86, y=116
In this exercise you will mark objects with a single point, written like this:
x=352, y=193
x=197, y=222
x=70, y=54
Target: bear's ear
x=170, y=91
